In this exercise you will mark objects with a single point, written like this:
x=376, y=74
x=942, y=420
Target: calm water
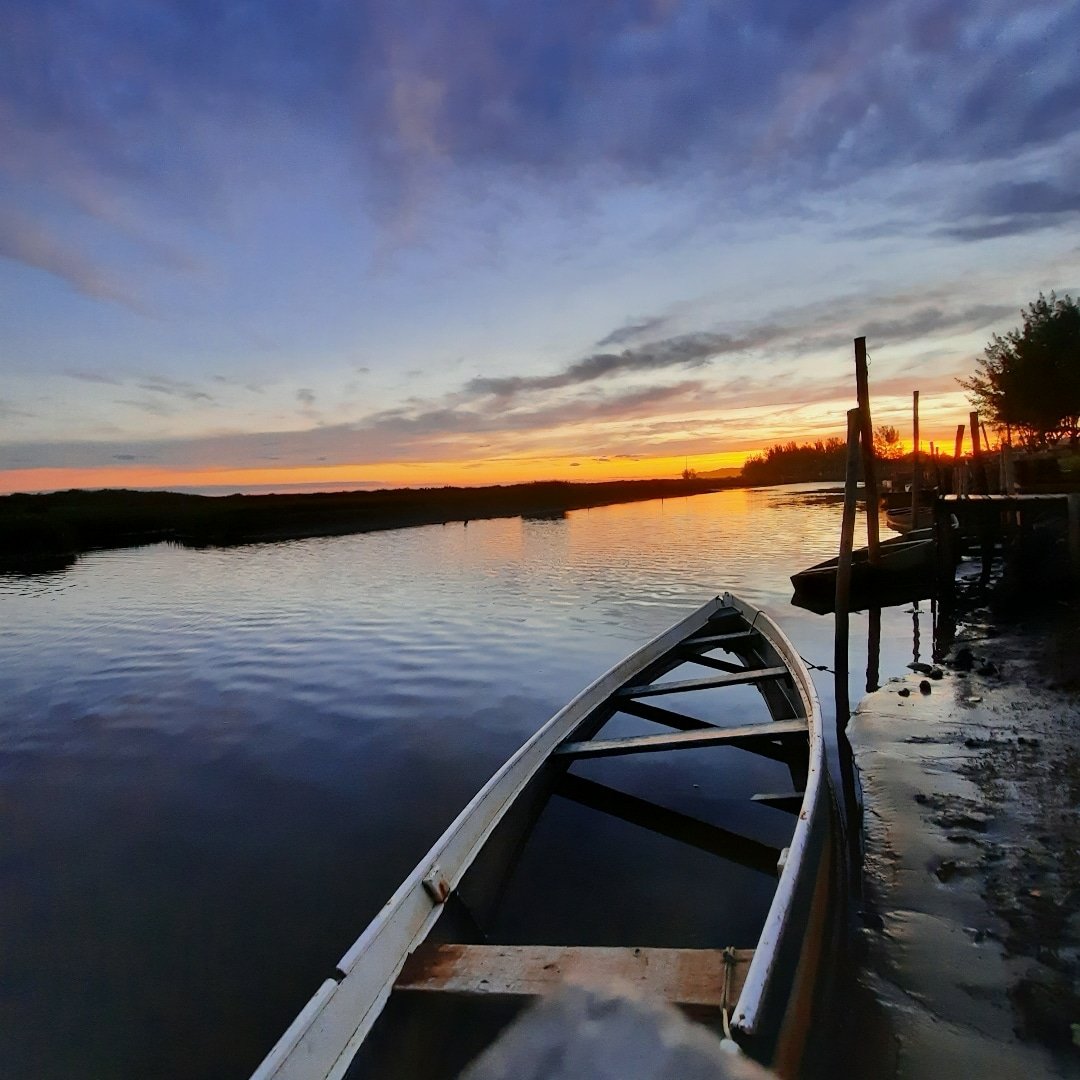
x=215, y=766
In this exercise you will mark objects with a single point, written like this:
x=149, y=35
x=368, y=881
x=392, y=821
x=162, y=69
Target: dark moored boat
x=765, y=995
x=905, y=572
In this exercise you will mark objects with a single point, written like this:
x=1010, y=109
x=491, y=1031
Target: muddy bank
x=970, y=936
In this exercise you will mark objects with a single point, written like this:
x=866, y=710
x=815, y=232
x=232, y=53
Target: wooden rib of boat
x=763, y=995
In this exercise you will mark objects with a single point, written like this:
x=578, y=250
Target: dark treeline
x=791, y=463
x=52, y=529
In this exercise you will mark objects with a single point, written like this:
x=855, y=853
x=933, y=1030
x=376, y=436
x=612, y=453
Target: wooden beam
x=716, y=664
x=866, y=432
x=715, y=640
x=685, y=740
x=667, y=717
x=689, y=977
x=685, y=685
x=788, y=801
x=916, y=460
x=681, y=827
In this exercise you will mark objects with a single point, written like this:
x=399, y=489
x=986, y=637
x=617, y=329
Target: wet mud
x=969, y=938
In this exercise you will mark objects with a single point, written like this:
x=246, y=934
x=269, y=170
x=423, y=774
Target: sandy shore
x=970, y=940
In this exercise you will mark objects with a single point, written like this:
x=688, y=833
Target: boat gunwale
x=747, y=1014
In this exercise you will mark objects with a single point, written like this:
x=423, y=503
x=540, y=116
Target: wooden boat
x=764, y=996
x=905, y=572
x=899, y=519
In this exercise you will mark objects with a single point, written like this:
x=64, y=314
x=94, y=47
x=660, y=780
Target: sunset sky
x=356, y=242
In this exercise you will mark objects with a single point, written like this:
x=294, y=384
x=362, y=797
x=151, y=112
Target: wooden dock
x=991, y=518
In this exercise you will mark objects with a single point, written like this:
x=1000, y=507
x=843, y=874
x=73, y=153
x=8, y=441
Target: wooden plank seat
x=686, y=740
x=695, y=978
x=714, y=641
x=684, y=685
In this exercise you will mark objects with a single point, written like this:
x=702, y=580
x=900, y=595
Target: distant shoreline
x=50, y=531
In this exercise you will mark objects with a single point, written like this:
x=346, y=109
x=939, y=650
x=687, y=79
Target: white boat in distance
x=764, y=997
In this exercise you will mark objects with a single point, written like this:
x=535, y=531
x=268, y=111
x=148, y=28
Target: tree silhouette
x=887, y=443
x=1028, y=382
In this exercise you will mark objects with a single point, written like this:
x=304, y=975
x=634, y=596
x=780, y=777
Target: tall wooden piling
x=843, y=566
x=958, y=448
x=916, y=462
x=957, y=486
x=866, y=431
x=1074, y=533
x=978, y=467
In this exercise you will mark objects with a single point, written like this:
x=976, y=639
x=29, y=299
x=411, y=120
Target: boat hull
x=906, y=572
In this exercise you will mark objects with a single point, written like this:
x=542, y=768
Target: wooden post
x=847, y=526
x=843, y=566
x=946, y=559
x=957, y=454
x=870, y=485
x=1074, y=533
x=873, y=649
x=916, y=464
x=976, y=455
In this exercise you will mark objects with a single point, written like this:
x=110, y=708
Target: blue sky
x=391, y=237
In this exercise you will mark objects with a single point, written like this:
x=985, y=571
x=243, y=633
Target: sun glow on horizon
x=397, y=474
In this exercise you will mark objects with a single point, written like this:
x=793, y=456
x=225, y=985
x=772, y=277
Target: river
x=216, y=765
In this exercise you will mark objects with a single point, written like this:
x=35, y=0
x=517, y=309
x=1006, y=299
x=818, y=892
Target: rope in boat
x=729, y=967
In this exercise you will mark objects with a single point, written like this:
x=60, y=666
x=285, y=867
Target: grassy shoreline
x=52, y=530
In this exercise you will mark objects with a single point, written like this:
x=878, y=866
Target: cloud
x=92, y=377
x=98, y=101
x=631, y=331
x=35, y=245
x=10, y=412
x=687, y=350
x=1016, y=207
x=305, y=396
x=161, y=384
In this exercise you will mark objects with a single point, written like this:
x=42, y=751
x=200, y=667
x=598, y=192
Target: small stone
x=937, y=673
x=924, y=687
x=904, y=692
x=946, y=870
x=988, y=669
x=963, y=660
x=922, y=669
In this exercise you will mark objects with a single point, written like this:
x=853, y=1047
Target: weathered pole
x=870, y=486
x=976, y=455
x=916, y=464
x=957, y=467
x=1073, y=505
x=847, y=525
x=843, y=565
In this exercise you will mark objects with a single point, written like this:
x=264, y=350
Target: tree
x=887, y=444
x=1028, y=382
